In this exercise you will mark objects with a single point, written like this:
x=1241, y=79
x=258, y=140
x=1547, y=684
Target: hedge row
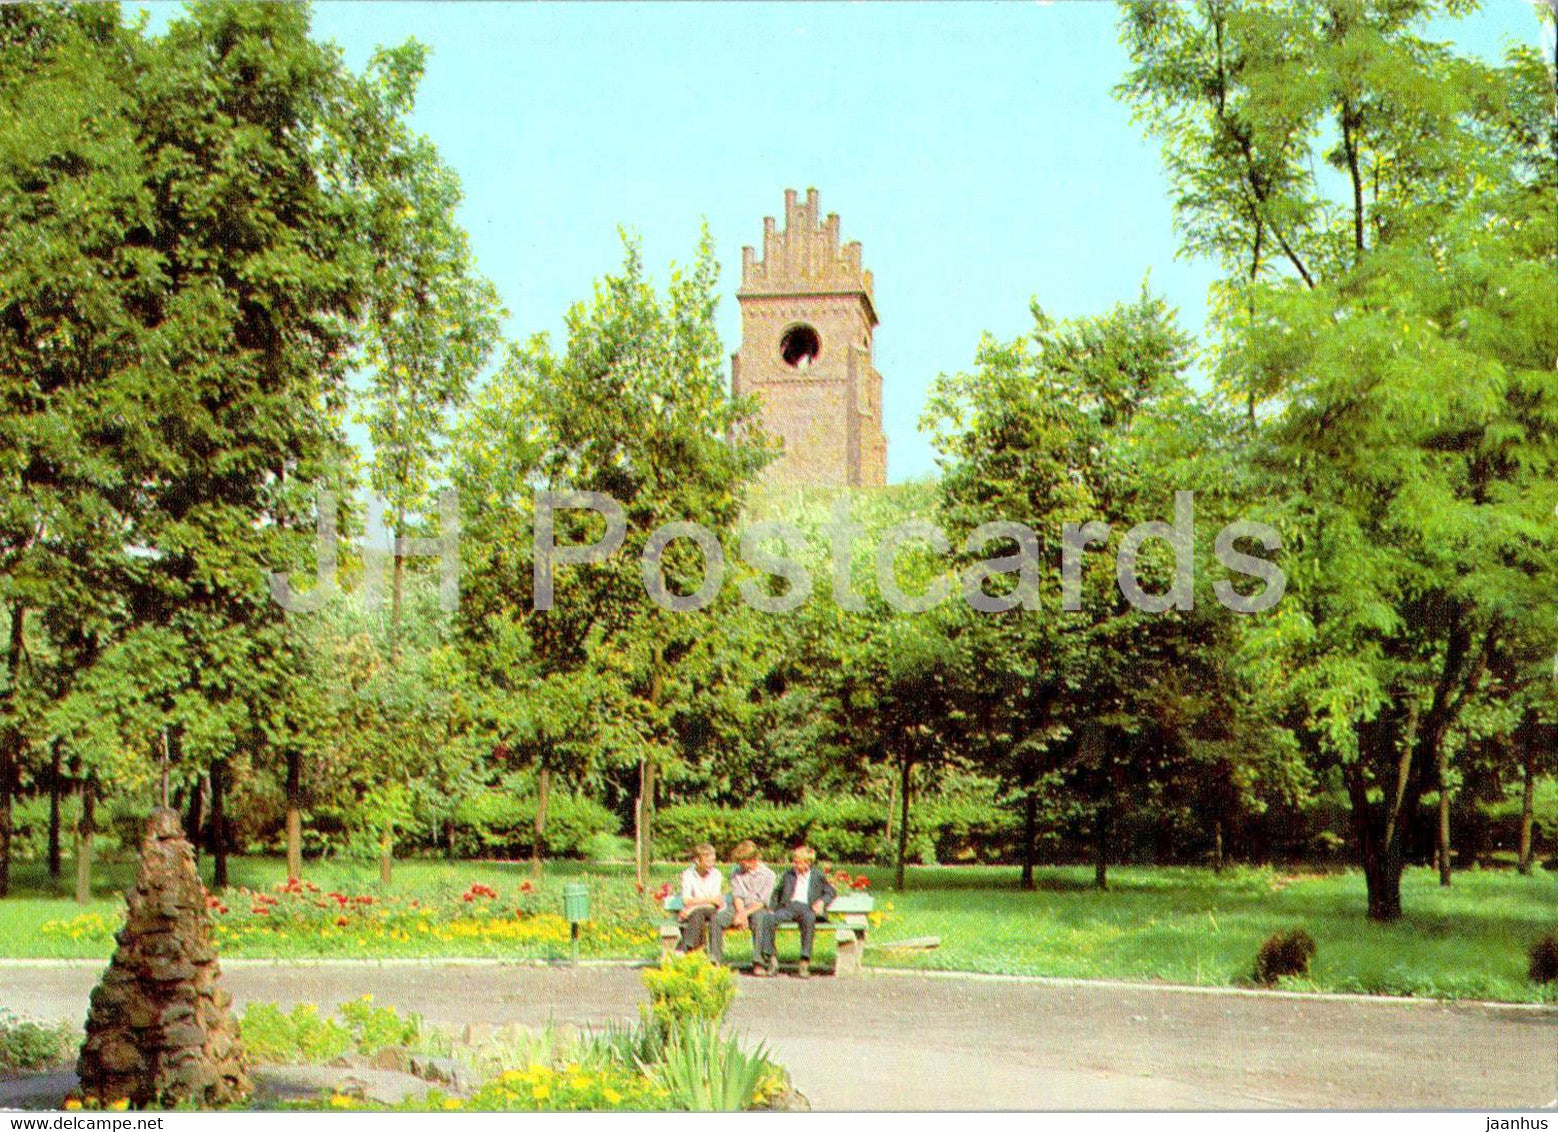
x=499, y=823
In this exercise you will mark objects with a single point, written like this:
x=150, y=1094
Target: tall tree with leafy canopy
x=1401, y=352
x=241, y=380
x=432, y=319
x=1091, y=421
x=195, y=370
x=74, y=278
x=638, y=409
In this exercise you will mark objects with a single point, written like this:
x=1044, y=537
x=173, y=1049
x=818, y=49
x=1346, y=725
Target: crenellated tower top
x=807, y=320
x=805, y=258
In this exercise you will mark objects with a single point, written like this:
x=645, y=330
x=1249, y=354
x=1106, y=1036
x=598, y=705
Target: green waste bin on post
x=576, y=909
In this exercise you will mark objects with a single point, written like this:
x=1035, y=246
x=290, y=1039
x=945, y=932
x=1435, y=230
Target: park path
x=910, y=1040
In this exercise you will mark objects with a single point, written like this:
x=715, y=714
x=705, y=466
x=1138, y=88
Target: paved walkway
x=921, y=1041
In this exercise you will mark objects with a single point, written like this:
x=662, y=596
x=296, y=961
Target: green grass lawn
x=1180, y=925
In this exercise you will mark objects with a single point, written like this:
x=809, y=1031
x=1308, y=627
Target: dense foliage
x=244, y=244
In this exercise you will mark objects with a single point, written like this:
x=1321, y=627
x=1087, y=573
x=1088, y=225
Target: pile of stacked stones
x=160, y=1032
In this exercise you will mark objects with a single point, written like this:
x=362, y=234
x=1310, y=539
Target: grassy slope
x=1177, y=925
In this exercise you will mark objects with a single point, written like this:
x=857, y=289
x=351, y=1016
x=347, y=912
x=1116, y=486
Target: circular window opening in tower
x=800, y=346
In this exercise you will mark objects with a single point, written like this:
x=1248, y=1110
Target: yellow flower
x=611, y=1095
x=120, y=1105
x=541, y=1091
x=72, y=1105
x=451, y=1103
x=340, y=1100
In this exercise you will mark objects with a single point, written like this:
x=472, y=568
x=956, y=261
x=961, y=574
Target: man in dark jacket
x=801, y=897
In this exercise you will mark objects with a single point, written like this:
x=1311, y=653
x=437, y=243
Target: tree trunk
x=294, y=816
x=888, y=840
x=449, y=839
x=8, y=784
x=56, y=774
x=10, y=748
x=1030, y=821
x=386, y=859
x=904, y=781
x=395, y=590
x=1527, y=808
x=84, y=834
x=194, y=819
x=638, y=837
x=1382, y=877
x=645, y=811
x=1101, y=847
x=543, y=796
x=1380, y=828
x=1442, y=762
x=219, y=823
x=1217, y=848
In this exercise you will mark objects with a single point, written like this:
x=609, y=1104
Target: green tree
x=74, y=275
x=1092, y=421
x=432, y=319
x=637, y=408
x=1400, y=352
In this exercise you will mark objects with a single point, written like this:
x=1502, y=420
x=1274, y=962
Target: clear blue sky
x=974, y=149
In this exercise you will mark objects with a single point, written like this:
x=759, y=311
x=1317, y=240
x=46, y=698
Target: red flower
x=365, y=900
x=527, y=887
x=212, y=902
x=638, y=886
x=862, y=882
x=467, y=898
x=340, y=921
x=260, y=910
x=841, y=878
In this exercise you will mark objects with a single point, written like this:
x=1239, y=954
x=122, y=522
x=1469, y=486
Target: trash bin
x=576, y=903
x=576, y=909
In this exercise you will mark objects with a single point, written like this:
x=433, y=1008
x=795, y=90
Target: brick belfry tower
x=806, y=323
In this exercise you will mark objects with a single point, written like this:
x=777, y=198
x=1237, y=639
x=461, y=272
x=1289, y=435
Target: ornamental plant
x=687, y=989
x=702, y=1070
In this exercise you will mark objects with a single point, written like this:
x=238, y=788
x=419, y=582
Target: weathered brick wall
x=827, y=412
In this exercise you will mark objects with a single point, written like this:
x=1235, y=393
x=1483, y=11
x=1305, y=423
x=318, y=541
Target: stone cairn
x=159, y=1032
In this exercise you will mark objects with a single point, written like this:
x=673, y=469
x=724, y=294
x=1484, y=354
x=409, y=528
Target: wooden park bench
x=848, y=919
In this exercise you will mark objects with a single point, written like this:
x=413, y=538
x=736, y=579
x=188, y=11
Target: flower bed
x=298, y=918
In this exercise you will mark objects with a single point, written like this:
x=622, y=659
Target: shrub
x=625, y=1045
x=703, y=1071
x=380, y=1027
x=1286, y=953
x=29, y=1045
x=543, y=1088
x=500, y=822
x=272, y=1036
x=1544, y=959
x=687, y=989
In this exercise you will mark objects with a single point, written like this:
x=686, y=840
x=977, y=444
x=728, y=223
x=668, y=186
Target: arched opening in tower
x=799, y=347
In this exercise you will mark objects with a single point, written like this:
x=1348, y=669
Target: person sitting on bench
x=701, y=902
x=802, y=898
x=751, y=886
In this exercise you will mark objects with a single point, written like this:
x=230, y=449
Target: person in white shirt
x=701, y=901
